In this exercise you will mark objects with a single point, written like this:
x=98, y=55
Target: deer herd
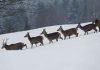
x=53, y=36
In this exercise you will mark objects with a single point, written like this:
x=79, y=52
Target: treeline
x=19, y=15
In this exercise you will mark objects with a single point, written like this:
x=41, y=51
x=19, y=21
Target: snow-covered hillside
x=77, y=53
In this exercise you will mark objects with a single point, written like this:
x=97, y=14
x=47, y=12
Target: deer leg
x=26, y=46
x=61, y=37
x=20, y=48
x=50, y=41
x=69, y=37
x=85, y=33
x=57, y=40
x=31, y=45
x=99, y=28
x=64, y=37
x=95, y=30
x=36, y=45
x=41, y=43
x=76, y=34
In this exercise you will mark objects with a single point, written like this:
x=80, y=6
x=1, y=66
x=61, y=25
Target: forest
x=20, y=15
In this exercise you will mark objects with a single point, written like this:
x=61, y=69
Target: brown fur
x=87, y=28
x=97, y=23
x=69, y=32
x=51, y=36
x=34, y=40
x=16, y=46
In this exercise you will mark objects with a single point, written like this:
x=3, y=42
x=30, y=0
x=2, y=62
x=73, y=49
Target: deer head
x=27, y=35
x=60, y=28
x=44, y=31
x=78, y=26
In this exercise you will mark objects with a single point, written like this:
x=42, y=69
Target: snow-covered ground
x=77, y=53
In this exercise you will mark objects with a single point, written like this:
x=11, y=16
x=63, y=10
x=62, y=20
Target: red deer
x=69, y=32
x=16, y=46
x=87, y=28
x=52, y=36
x=34, y=40
x=97, y=23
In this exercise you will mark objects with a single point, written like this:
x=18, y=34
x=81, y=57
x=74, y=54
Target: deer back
x=15, y=46
x=89, y=27
x=51, y=36
x=72, y=31
x=36, y=39
x=67, y=32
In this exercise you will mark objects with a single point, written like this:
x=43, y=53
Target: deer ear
x=60, y=26
x=44, y=29
x=78, y=23
x=27, y=32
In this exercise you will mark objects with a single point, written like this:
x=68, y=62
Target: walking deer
x=69, y=32
x=34, y=40
x=52, y=36
x=16, y=46
x=87, y=28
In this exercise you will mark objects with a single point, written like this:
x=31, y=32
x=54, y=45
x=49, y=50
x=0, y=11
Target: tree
x=74, y=11
x=8, y=26
x=26, y=26
x=40, y=12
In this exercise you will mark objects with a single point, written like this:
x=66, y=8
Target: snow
x=77, y=53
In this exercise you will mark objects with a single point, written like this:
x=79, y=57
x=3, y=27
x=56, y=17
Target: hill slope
x=77, y=53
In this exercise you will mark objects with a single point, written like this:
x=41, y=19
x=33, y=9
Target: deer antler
x=94, y=16
x=6, y=40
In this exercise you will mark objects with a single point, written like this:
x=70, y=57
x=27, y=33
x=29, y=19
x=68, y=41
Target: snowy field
x=77, y=53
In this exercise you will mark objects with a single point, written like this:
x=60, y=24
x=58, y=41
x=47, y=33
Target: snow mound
x=77, y=53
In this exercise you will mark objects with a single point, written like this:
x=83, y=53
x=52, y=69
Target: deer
x=51, y=36
x=15, y=46
x=97, y=23
x=34, y=40
x=87, y=28
x=69, y=32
